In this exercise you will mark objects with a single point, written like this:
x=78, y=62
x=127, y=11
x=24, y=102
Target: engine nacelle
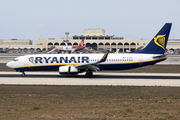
x=68, y=70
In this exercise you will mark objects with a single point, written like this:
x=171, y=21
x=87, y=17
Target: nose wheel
x=89, y=74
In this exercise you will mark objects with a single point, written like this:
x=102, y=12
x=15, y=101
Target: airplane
x=117, y=51
x=72, y=48
x=77, y=63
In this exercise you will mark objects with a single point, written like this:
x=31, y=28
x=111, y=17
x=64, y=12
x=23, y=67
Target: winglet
x=104, y=57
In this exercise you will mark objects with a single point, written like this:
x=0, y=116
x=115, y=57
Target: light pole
x=67, y=33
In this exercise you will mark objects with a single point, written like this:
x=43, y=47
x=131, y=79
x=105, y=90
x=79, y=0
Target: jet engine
x=68, y=70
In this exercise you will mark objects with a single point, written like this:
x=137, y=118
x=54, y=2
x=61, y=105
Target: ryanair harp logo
x=160, y=40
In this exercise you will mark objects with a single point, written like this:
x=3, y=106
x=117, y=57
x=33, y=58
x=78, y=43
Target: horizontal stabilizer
x=160, y=56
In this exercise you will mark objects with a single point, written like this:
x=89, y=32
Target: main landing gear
x=23, y=74
x=89, y=74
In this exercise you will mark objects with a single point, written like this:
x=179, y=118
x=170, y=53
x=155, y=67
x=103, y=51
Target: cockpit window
x=15, y=60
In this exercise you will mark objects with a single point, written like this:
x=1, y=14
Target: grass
x=36, y=108
x=89, y=102
x=129, y=110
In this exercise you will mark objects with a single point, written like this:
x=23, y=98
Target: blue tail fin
x=158, y=44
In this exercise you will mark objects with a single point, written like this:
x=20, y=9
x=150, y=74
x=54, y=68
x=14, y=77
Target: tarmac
x=115, y=79
x=112, y=79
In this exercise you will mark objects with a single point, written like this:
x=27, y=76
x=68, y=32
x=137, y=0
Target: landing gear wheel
x=89, y=74
x=23, y=74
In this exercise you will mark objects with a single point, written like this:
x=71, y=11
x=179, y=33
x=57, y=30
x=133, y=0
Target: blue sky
x=131, y=19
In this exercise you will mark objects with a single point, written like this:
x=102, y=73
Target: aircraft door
x=25, y=61
x=140, y=60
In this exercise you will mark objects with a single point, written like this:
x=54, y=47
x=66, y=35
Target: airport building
x=17, y=46
x=93, y=38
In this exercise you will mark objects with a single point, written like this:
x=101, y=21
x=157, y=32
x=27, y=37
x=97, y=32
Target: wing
x=94, y=65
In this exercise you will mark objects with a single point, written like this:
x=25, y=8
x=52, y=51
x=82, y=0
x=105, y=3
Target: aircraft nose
x=9, y=64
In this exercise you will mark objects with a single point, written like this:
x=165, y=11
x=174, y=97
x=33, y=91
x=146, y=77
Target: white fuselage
x=52, y=61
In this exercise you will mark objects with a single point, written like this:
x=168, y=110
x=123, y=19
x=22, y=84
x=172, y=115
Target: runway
x=114, y=79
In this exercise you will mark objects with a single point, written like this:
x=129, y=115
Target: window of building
x=88, y=38
x=94, y=38
x=75, y=38
x=107, y=38
x=101, y=38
